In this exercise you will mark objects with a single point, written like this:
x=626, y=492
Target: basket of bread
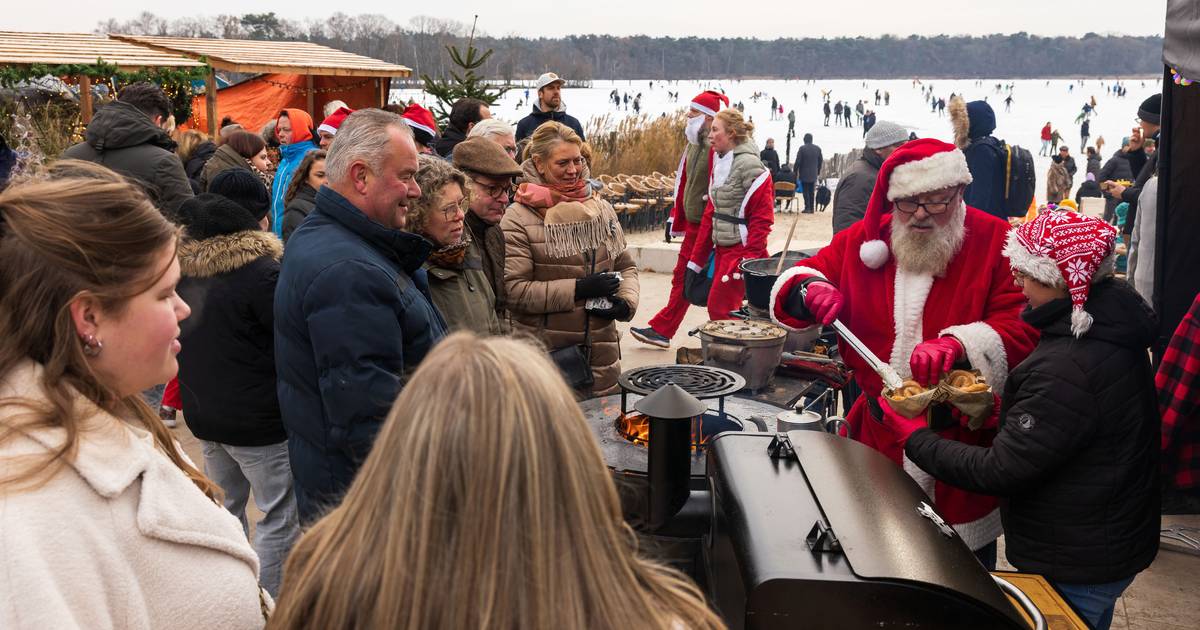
x=966, y=390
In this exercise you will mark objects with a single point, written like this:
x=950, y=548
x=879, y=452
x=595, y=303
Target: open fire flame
x=635, y=427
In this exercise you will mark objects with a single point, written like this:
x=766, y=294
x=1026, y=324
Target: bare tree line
x=420, y=44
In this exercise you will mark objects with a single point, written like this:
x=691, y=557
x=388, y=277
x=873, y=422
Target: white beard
x=692, y=129
x=929, y=252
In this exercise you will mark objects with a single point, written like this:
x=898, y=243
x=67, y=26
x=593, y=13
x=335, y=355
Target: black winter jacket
x=527, y=125
x=1076, y=458
x=227, y=364
x=353, y=319
x=444, y=146
x=808, y=162
x=986, y=159
x=854, y=190
x=124, y=139
x=194, y=168
x=770, y=158
x=299, y=207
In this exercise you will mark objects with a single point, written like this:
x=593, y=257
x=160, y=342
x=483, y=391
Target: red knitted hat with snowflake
x=1064, y=249
x=709, y=102
x=918, y=166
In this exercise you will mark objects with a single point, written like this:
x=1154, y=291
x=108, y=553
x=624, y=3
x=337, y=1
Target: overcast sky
x=702, y=18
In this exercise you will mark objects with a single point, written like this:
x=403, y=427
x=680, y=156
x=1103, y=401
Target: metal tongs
x=889, y=375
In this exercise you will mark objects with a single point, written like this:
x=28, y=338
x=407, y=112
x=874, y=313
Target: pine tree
x=468, y=85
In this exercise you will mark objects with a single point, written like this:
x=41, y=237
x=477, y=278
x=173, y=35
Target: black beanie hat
x=1151, y=109
x=207, y=215
x=244, y=188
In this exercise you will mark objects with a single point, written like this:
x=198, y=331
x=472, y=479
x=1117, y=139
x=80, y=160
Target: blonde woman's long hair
x=485, y=503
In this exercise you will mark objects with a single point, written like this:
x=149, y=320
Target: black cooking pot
x=759, y=274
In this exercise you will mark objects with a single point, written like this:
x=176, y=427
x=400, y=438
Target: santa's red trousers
x=728, y=287
x=667, y=321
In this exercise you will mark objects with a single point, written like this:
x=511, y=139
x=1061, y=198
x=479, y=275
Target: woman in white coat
x=104, y=522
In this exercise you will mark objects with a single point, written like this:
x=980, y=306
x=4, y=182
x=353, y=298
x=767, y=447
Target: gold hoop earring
x=91, y=345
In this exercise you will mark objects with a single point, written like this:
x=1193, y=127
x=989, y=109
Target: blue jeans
x=266, y=471
x=1095, y=602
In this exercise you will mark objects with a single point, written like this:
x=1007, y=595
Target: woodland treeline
x=420, y=44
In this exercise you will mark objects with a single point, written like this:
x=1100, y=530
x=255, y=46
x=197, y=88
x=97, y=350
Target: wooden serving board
x=1058, y=613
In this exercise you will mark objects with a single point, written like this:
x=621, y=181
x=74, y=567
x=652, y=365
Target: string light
x=304, y=91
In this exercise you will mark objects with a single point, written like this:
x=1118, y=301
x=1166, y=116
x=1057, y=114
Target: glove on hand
x=930, y=359
x=903, y=427
x=619, y=310
x=596, y=285
x=990, y=422
x=823, y=303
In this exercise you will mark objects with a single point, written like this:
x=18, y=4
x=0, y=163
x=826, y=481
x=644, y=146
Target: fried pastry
x=908, y=389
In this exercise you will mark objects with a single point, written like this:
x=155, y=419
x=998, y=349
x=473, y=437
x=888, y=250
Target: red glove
x=930, y=359
x=990, y=422
x=824, y=301
x=903, y=427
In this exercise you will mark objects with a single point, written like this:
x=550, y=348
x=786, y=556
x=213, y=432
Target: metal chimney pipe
x=670, y=410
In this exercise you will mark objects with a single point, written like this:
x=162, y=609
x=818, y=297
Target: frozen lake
x=1035, y=102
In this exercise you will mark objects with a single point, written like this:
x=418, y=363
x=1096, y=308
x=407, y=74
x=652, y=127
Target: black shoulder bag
x=574, y=361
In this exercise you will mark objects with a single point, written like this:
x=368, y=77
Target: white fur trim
x=416, y=125
x=680, y=175
x=1081, y=322
x=702, y=109
x=671, y=223
x=743, y=230
x=985, y=351
x=694, y=267
x=329, y=129
x=873, y=254
x=940, y=170
x=976, y=534
x=788, y=274
x=908, y=310
x=1040, y=268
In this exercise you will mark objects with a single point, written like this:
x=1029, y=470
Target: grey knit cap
x=885, y=133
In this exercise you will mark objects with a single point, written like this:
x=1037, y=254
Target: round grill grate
x=700, y=381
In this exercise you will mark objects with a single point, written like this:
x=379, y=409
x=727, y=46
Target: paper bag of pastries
x=912, y=400
x=970, y=393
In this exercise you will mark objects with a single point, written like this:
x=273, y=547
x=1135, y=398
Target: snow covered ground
x=1034, y=103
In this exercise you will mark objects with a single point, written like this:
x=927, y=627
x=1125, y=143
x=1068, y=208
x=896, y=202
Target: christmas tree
x=467, y=85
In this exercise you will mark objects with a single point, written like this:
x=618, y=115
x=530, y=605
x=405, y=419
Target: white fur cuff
x=694, y=267
x=985, y=351
x=784, y=278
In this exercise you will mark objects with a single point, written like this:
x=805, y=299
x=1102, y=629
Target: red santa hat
x=918, y=166
x=709, y=102
x=333, y=121
x=420, y=119
x=1064, y=249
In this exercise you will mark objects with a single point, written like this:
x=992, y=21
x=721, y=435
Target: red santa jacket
x=892, y=311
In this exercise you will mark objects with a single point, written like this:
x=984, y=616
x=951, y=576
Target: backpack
x=1019, y=179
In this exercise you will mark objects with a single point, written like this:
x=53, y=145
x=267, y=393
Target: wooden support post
x=85, y=98
x=308, y=80
x=385, y=85
x=210, y=103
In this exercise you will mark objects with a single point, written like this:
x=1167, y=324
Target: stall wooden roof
x=20, y=49
x=243, y=55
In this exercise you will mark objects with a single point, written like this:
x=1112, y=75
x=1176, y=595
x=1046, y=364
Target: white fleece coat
x=117, y=538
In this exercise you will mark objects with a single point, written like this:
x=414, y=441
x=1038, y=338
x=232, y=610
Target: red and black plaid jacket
x=1178, y=383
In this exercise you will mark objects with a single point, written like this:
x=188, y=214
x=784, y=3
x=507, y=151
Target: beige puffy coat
x=541, y=291
x=118, y=537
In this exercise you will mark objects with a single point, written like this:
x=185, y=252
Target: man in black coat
x=353, y=316
x=549, y=106
x=1076, y=458
x=808, y=169
x=126, y=135
x=856, y=184
x=1144, y=165
x=973, y=124
x=463, y=116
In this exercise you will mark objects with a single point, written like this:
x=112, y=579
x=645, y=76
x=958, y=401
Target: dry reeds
x=638, y=145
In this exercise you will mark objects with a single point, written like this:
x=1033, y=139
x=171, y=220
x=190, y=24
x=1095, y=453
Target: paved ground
x=1166, y=596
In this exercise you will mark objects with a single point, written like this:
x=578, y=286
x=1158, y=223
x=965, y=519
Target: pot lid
x=743, y=330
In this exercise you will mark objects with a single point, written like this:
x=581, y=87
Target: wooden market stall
x=291, y=74
x=71, y=49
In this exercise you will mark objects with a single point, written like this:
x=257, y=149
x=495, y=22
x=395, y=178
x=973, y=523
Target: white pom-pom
x=737, y=276
x=725, y=278
x=1081, y=322
x=873, y=253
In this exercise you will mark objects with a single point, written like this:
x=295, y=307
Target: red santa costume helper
x=739, y=214
x=691, y=196
x=925, y=286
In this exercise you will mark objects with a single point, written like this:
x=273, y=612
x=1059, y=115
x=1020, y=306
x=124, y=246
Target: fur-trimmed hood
x=227, y=252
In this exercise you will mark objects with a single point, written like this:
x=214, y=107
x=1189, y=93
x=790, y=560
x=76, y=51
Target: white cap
x=548, y=78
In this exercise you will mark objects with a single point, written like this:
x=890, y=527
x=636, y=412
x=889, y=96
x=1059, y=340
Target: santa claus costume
x=893, y=310
x=691, y=197
x=737, y=221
